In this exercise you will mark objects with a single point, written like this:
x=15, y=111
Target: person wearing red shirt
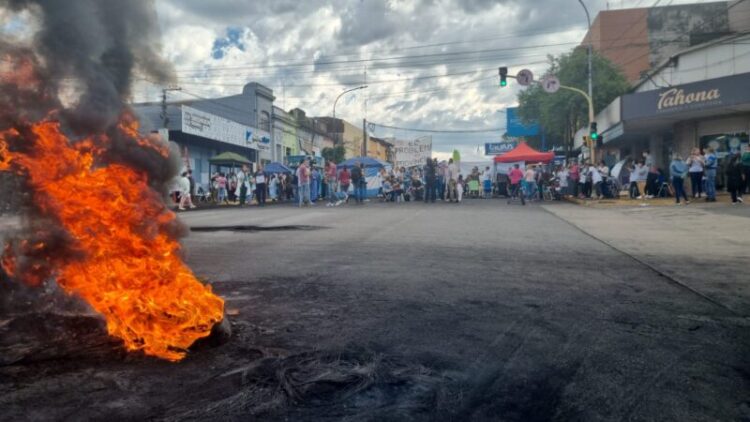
x=345, y=179
x=303, y=181
x=515, y=175
x=330, y=176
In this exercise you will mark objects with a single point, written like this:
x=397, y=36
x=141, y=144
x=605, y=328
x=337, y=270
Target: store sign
x=677, y=98
x=697, y=96
x=498, y=148
x=211, y=126
x=412, y=152
x=515, y=126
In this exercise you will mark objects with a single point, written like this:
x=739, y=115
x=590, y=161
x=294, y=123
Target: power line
x=379, y=59
x=497, y=129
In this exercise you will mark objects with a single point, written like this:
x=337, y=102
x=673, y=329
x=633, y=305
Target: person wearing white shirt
x=639, y=176
x=487, y=182
x=184, y=186
x=562, y=175
x=451, y=180
x=596, y=180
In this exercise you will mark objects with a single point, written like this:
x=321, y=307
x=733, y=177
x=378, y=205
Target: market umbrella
x=618, y=168
x=228, y=159
x=276, y=167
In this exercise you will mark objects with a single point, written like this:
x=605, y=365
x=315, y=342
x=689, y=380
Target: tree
x=561, y=114
x=335, y=154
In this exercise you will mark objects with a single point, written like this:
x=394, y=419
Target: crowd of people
x=433, y=181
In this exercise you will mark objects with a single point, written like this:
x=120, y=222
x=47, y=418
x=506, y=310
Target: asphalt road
x=477, y=311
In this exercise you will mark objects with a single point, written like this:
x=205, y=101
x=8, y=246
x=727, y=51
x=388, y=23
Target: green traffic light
x=503, y=83
x=594, y=136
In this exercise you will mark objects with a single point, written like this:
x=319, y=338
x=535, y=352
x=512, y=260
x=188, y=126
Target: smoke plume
x=77, y=68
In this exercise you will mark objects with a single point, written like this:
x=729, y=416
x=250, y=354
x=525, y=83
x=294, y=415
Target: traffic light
x=503, y=76
x=594, y=132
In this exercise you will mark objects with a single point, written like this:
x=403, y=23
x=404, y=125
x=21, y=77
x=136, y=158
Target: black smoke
x=78, y=68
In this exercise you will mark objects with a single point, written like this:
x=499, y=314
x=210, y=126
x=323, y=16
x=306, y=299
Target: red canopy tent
x=523, y=152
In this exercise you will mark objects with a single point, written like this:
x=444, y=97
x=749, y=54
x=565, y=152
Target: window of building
x=265, y=121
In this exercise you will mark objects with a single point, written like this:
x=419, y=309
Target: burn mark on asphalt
x=251, y=228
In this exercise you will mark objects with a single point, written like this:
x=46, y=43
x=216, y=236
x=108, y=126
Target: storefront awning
x=663, y=107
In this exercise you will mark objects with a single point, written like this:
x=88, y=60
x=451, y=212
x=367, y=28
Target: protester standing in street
x=695, y=169
x=441, y=182
x=711, y=164
x=487, y=183
x=185, y=199
x=679, y=170
x=562, y=176
x=653, y=174
x=303, y=182
x=574, y=175
x=260, y=186
x=345, y=179
x=221, y=183
x=745, y=161
x=330, y=178
x=430, y=179
x=583, y=172
x=314, y=184
x=192, y=185
x=357, y=180
x=460, y=188
x=451, y=177
x=596, y=180
x=734, y=175
x=515, y=176
x=529, y=182
x=639, y=175
x=273, y=187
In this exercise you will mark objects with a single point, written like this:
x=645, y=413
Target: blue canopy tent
x=372, y=171
x=276, y=167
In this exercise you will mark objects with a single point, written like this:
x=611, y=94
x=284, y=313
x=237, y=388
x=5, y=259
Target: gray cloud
x=346, y=31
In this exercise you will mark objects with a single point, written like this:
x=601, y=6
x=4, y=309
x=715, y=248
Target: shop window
x=725, y=143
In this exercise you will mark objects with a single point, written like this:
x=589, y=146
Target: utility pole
x=364, y=137
x=590, y=93
x=163, y=115
x=364, y=120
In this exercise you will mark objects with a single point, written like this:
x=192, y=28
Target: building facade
x=699, y=97
x=638, y=39
x=207, y=127
x=379, y=148
x=284, y=135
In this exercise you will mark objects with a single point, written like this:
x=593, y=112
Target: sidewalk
x=702, y=249
x=722, y=198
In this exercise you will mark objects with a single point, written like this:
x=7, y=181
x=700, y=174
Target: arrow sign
x=525, y=77
x=551, y=84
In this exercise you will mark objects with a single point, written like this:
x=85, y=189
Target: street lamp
x=347, y=91
x=591, y=96
x=588, y=20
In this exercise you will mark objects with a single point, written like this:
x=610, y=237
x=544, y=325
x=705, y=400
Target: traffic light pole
x=590, y=101
x=591, y=115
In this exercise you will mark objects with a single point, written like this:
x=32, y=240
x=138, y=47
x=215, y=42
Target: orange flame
x=129, y=268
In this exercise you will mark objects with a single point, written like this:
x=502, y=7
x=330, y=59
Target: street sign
x=525, y=77
x=551, y=84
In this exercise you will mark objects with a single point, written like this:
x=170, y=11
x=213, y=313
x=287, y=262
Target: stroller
x=610, y=188
x=552, y=190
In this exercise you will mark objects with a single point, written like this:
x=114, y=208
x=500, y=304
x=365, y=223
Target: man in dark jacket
x=430, y=177
x=358, y=177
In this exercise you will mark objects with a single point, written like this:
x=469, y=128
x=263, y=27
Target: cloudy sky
x=430, y=64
